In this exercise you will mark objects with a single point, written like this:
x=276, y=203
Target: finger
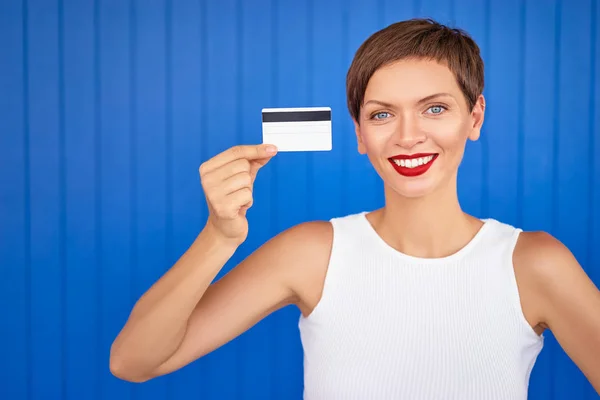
x=259, y=163
x=248, y=152
x=237, y=182
x=255, y=165
x=241, y=198
x=230, y=206
x=245, y=209
x=229, y=170
x=215, y=179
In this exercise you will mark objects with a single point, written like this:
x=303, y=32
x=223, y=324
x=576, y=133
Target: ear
x=477, y=117
x=361, y=145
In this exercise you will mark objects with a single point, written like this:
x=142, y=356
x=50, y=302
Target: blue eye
x=379, y=115
x=436, y=109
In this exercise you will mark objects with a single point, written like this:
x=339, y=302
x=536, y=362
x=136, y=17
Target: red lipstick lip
x=411, y=156
x=416, y=171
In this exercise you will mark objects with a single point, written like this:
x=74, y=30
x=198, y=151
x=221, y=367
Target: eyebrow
x=421, y=101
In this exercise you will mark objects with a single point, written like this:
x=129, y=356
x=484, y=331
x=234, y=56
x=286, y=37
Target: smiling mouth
x=413, y=165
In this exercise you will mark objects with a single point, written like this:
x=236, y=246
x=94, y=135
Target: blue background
x=108, y=107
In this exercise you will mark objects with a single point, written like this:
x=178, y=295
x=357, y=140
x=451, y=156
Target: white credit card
x=297, y=129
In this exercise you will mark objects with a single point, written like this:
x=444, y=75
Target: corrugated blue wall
x=108, y=107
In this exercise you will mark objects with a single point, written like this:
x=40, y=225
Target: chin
x=410, y=189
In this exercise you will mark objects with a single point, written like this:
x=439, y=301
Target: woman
x=416, y=300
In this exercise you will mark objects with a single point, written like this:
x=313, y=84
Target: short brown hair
x=417, y=39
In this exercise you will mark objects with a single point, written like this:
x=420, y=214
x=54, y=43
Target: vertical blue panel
x=47, y=213
x=441, y=11
x=186, y=22
x=291, y=30
x=115, y=184
x=220, y=133
x=327, y=88
x=541, y=36
x=150, y=145
x=14, y=203
x=392, y=11
x=593, y=260
x=363, y=186
x=472, y=179
x=503, y=108
x=572, y=191
x=78, y=175
x=594, y=236
x=256, y=89
x=537, y=127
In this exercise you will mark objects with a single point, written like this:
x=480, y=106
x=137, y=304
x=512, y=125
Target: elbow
x=121, y=369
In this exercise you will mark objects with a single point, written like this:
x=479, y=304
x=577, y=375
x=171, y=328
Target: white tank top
x=393, y=326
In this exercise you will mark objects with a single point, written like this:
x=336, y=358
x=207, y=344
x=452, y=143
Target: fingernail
x=271, y=149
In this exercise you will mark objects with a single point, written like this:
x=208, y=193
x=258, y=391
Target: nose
x=408, y=133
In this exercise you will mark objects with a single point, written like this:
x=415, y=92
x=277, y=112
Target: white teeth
x=415, y=162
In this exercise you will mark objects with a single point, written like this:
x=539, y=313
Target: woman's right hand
x=227, y=180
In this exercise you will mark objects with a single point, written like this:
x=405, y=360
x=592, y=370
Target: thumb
x=256, y=165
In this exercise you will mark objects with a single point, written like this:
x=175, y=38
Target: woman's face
x=414, y=124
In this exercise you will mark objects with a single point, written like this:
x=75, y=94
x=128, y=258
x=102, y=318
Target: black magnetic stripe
x=296, y=116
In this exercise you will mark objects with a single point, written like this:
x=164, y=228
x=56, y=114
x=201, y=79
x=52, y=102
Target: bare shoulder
x=536, y=243
x=560, y=296
x=537, y=265
x=539, y=255
x=303, y=251
x=308, y=241
x=313, y=234
x=546, y=262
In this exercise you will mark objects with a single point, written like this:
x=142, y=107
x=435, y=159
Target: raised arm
x=182, y=316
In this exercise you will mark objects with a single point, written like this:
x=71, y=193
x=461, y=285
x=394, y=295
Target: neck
x=429, y=227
